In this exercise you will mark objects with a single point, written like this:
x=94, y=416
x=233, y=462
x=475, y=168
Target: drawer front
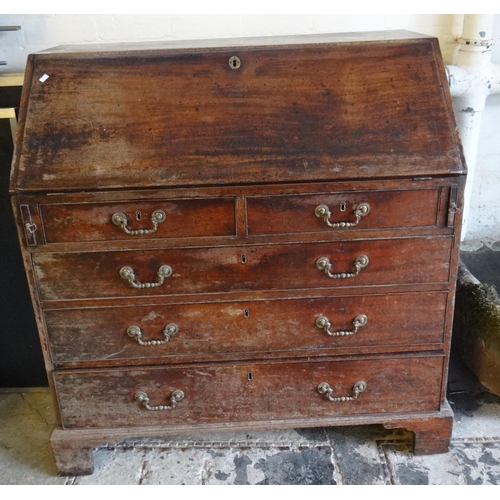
x=139, y=220
x=338, y=212
x=228, y=269
x=243, y=392
x=187, y=332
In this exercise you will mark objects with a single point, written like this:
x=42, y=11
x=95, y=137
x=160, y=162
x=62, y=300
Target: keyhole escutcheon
x=234, y=62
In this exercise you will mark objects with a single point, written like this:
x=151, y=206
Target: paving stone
x=476, y=410
x=357, y=454
x=483, y=422
x=25, y=453
x=308, y=466
x=465, y=464
x=175, y=466
x=114, y=467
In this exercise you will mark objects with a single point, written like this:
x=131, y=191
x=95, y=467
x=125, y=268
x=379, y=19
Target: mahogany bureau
x=241, y=234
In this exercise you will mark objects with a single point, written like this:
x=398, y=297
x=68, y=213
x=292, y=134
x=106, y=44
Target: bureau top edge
x=235, y=42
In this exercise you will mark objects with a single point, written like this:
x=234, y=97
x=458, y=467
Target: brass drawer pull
x=323, y=323
x=168, y=332
x=127, y=273
x=323, y=212
x=120, y=219
x=327, y=391
x=324, y=264
x=176, y=396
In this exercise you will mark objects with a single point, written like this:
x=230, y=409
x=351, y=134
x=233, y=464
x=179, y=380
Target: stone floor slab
x=274, y=466
x=358, y=455
x=115, y=467
x=26, y=421
x=467, y=463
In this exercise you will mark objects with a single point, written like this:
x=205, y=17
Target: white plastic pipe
x=472, y=80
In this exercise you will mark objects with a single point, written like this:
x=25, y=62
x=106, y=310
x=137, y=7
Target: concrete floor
x=368, y=455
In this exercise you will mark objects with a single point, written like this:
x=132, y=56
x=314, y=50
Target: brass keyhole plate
x=234, y=62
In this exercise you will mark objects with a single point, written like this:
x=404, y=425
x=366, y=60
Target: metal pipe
x=471, y=81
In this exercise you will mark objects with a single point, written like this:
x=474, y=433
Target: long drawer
x=186, y=332
x=242, y=268
x=249, y=391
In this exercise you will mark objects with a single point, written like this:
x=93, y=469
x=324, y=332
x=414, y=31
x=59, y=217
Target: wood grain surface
x=287, y=114
x=235, y=330
x=248, y=391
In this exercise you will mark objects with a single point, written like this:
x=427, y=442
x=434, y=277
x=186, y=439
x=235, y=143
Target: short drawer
x=249, y=391
x=236, y=269
x=340, y=212
x=187, y=332
x=177, y=218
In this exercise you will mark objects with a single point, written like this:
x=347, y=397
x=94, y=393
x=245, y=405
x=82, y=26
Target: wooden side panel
x=239, y=269
x=248, y=391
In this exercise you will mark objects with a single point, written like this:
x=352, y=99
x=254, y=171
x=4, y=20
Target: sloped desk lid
x=324, y=107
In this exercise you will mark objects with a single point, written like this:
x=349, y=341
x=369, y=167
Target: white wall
x=484, y=211
x=47, y=30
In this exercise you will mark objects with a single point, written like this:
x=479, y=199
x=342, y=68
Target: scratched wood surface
x=296, y=214
x=248, y=391
x=183, y=219
x=240, y=269
x=228, y=330
x=287, y=114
